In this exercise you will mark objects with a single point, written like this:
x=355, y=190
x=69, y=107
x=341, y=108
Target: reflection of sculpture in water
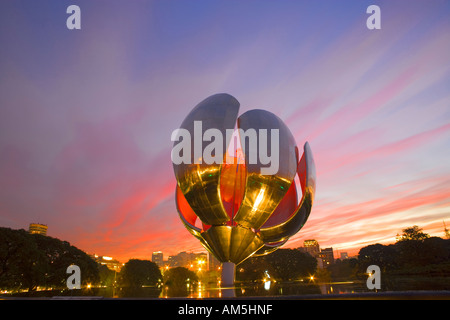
x=267, y=281
x=231, y=206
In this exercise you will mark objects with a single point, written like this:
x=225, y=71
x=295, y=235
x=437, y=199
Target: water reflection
x=268, y=288
x=267, y=285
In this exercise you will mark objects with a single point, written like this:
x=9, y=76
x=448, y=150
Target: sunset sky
x=86, y=115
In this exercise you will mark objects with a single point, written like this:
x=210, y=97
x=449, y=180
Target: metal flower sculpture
x=234, y=209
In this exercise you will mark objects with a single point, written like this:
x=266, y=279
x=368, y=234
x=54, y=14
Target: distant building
x=327, y=256
x=311, y=246
x=109, y=262
x=182, y=259
x=214, y=264
x=37, y=228
x=157, y=257
x=319, y=263
x=188, y=260
x=172, y=261
x=344, y=255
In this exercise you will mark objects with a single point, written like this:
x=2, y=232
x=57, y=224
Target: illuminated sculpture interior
x=233, y=209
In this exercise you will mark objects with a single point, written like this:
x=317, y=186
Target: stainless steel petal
x=307, y=174
x=264, y=192
x=232, y=244
x=269, y=248
x=188, y=222
x=199, y=182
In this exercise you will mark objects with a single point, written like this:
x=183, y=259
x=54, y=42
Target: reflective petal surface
x=199, y=182
x=232, y=244
x=307, y=175
x=263, y=193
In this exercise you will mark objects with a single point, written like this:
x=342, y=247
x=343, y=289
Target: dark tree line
x=137, y=273
x=414, y=253
x=31, y=260
x=409, y=256
x=283, y=264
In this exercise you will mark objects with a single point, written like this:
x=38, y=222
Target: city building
x=157, y=257
x=188, y=260
x=37, y=228
x=312, y=247
x=344, y=255
x=327, y=257
x=214, y=264
x=319, y=263
x=109, y=262
x=181, y=259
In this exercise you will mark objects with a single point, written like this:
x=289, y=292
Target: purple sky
x=86, y=115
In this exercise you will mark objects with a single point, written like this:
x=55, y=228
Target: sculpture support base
x=228, y=272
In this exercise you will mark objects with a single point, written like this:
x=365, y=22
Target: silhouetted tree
x=446, y=232
x=436, y=250
x=422, y=252
x=106, y=275
x=137, y=273
x=252, y=269
x=344, y=269
x=177, y=279
x=383, y=256
x=283, y=264
x=289, y=264
x=22, y=265
x=61, y=254
x=412, y=233
x=414, y=252
x=31, y=260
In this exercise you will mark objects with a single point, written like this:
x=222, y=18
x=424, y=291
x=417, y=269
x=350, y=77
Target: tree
x=446, y=232
x=59, y=255
x=22, y=265
x=436, y=250
x=377, y=254
x=413, y=251
x=413, y=233
x=106, y=276
x=31, y=260
x=252, y=269
x=283, y=264
x=288, y=264
x=410, y=247
x=179, y=280
x=138, y=273
x=323, y=275
x=343, y=269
